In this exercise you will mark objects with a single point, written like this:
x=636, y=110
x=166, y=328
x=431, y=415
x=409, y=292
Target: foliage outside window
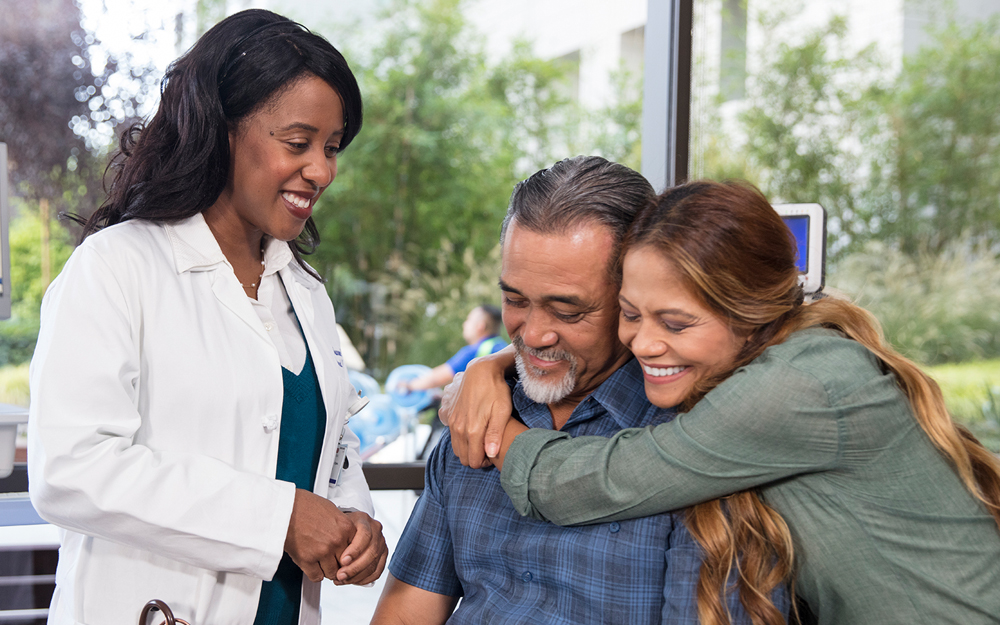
x=904, y=153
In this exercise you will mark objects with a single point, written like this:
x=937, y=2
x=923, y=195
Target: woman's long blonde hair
x=737, y=257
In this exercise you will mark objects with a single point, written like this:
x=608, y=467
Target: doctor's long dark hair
x=735, y=255
x=177, y=165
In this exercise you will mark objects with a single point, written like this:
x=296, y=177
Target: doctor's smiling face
x=282, y=158
x=677, y=340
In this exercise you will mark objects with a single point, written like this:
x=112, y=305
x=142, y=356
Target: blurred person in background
x=481, y=331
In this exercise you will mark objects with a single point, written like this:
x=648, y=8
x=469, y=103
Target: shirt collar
x=195, y=247
x=277, y=256
x=193, y=244
x=622, y=396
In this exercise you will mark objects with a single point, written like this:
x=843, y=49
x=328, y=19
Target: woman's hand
x=318, y=533
x=510, y=430
x=476, y=406
x=324, y=542
x=364, y=559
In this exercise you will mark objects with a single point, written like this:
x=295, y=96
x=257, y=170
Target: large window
x=885, y=113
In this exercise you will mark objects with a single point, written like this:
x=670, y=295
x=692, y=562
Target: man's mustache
x=549, y=353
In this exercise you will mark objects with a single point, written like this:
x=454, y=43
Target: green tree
x=437, y=303
x=615, y=130
x=936, y=176
x=908, y=167
x=805, y=109
x=935, y=306
x=42, y=88
x=911, y=159
x=422, y=190
x=18, y=334
x=25, y=266
x=437, y=157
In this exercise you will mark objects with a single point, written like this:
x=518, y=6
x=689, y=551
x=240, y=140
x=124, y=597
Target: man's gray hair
x=575, y=191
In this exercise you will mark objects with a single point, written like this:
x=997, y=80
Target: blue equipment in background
x=377, y=423
x=390, y=414
x=415, y=400
x=366, y=385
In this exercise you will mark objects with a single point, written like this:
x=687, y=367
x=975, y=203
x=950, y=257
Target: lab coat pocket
x=139, y=573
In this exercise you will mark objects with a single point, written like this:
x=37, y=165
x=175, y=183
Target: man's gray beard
x=538, y=384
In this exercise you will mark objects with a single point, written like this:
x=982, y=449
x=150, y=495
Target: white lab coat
x=156, y=398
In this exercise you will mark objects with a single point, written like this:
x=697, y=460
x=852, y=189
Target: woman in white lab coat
x=189, y=397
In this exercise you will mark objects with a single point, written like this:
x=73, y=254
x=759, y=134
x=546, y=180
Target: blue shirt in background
x=464, y=356
x=464, y=538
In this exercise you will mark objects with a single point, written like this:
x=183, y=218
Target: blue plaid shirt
x=464, y=538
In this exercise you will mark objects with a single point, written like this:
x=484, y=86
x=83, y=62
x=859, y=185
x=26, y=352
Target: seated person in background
x=481, y=331
x=465, y=540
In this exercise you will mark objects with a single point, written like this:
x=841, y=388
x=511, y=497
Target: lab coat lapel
x=196, y=250
x=227, y=288
x=300, y=289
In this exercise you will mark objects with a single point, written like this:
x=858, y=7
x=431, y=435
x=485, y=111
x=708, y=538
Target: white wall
x=594, y=28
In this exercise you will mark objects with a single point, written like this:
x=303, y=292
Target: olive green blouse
x=883, y=529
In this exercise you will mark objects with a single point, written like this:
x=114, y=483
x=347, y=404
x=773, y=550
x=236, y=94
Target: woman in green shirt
x=801, y=432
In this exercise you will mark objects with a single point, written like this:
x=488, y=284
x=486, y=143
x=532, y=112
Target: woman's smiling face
x=282, y=158
x=676, y=339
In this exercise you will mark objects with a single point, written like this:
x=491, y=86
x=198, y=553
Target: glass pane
x=885, y=113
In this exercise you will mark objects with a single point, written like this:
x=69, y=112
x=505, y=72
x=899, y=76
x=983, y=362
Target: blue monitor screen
x=799, y=225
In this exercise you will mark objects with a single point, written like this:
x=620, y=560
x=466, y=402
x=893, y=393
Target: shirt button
x=526, y=576
x=270, y=423
x=268, y=326
x=615, y=527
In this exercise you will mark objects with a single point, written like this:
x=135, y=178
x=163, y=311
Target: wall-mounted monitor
x=807, y=223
